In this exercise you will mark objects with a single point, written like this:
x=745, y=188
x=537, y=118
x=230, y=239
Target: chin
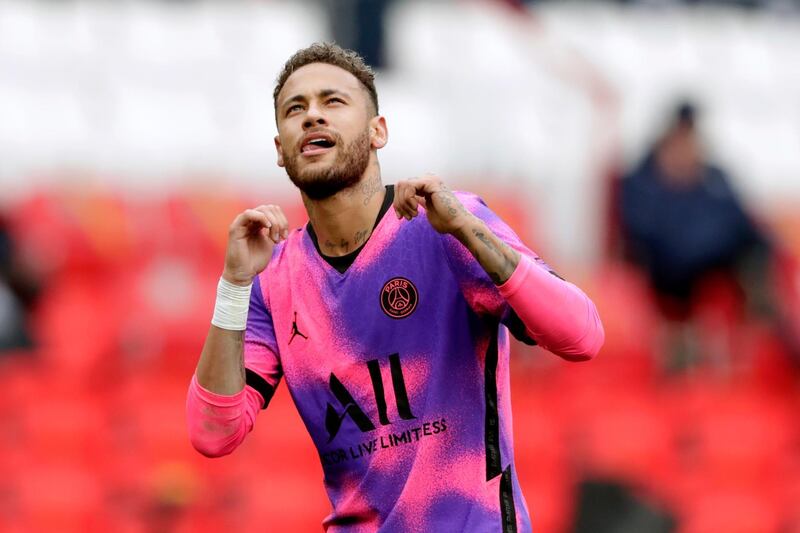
x=319, y=173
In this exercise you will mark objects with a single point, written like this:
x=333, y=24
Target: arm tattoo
x=504, y=253
x=240, y=342
x=451, y=203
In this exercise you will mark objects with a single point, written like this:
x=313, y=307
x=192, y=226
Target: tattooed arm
x=497, y=258
x=554, y=312
x=448, y=215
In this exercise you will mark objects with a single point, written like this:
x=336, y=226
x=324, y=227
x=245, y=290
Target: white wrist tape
x=233, y=301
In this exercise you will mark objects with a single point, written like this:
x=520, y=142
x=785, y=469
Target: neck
x=344, y=221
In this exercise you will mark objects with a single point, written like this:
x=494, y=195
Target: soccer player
x=387, y=316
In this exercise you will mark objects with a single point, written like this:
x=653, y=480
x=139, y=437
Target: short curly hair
x=335, y=55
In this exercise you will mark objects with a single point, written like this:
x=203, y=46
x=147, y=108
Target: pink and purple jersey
x=399, y=367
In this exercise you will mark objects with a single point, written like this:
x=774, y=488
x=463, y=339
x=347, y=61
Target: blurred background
x=649, y=151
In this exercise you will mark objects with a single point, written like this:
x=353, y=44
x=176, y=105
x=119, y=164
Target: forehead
x=315, y=77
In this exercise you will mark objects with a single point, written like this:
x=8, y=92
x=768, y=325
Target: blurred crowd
x=686, y=422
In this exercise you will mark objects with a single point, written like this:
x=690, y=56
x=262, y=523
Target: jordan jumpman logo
x=295, y=331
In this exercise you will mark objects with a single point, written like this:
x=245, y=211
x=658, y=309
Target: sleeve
x=219, y=423
x=536, y=304
x=262, y=364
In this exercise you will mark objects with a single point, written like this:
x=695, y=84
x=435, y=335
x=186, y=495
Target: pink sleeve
x=556, y=313
x=218, y=423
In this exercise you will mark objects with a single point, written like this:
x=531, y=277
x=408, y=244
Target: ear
x=378, y=133
x=279, y=149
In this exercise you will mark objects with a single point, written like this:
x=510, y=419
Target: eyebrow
x=324, y=93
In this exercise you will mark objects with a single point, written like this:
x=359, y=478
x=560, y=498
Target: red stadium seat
x=541, y=459
x=731, y=511
x=75, y=326
x=63, y=426
x=746, y=438
x=630, y=321
x=629, y=437
x=61, y=497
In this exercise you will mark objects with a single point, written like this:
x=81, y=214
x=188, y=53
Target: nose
x=314, y=117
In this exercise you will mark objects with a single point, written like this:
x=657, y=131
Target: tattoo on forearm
x=447, y=199
x=240, y=342
x=451, y=203
x=506, y=255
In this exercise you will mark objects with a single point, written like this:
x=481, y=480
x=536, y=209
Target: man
x=685, y=227
x=385, y=328
x=682, y=221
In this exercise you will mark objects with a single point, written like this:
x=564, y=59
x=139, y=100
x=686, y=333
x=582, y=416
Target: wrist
x=232, y=305
x=240, y=280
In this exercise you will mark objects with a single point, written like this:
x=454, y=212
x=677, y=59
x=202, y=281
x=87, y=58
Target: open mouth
x=317, y=144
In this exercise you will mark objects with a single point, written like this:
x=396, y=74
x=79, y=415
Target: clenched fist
x=251, y=237
x=444, y=211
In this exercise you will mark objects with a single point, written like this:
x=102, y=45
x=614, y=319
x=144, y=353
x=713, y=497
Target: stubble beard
x=346, y=170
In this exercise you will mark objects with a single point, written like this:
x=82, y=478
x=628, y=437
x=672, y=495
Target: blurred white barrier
x=148, y=95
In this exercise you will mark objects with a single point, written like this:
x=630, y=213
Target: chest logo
x=399, y=297
x=295, y=330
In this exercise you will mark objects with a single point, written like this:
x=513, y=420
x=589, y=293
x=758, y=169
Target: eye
x=292, y=109
x=335, y=99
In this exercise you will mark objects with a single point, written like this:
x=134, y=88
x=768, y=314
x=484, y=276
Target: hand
x=444, y=211
x=251, y=238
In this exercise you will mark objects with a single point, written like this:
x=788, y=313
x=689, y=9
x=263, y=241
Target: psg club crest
x=399, y=298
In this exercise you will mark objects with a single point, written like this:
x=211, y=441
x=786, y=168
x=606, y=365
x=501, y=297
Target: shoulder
x=478, y=207
x=471, y=201
x=717, y=182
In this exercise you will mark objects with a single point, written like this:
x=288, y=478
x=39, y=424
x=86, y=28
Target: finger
x=273, y=233
x=283, y=222
x=411, y=200
x=250, y=218
x=406, y=201
x=279, y=228
x=424, y=187
x=399, y=191
x=274, y=230
x=413, y=204
x=427, y=184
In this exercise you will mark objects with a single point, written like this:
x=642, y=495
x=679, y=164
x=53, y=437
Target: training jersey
x=399, y=367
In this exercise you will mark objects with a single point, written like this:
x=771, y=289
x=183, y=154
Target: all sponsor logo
x=350, y=408
x=386, y=437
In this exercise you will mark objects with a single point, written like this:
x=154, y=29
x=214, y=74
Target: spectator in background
x=17, y=294
x=684, y=225
x=360, y=26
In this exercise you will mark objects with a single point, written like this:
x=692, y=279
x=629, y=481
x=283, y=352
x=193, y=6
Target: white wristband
x=233, y=302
